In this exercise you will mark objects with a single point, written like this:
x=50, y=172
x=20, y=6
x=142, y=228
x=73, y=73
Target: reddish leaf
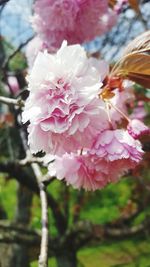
x=135, y=5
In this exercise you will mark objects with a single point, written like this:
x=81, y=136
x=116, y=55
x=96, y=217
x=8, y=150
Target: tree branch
x=18, y=234
x=30, y=160
x=5, y=65
x=84, y=232
x=10, y=233
x=3, y=2
x=11, y=102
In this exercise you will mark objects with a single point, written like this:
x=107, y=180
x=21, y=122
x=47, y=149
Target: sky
x=15, y=21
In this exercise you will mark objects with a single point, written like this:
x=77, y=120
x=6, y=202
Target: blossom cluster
x=119, y=5
x=76, y=21
x=70, y=119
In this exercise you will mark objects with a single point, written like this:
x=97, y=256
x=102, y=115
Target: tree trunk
x=13, y=256
x=66, y=259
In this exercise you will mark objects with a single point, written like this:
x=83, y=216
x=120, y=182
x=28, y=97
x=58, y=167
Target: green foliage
x=36, y=213
x=18, y=62
x=8, y=196
x=51, y=262
x=104, y=206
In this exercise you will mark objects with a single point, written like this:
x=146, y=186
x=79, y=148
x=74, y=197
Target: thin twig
x=10, y=101
x=43, y=258
x=29, y=160
x=5, y=65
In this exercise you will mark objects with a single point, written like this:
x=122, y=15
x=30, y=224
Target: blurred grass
x=128, y=253
x=99, y=207
x=8, y=199
x=123, y=253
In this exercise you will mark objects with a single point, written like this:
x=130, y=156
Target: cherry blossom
x=139, y=111
x=76, y=21
x=63, y=107
x=32, y=49
x=137, y=128
x=13, y=84
x=113, y=154
x=70, y=120
x=117, y=144
x=81, y=171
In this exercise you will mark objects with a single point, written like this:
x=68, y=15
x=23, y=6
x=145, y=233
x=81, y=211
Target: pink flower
x=76, y=21
x=63, y=108
x=13, y=84
x=81, y=171
x=137, y=128
x=32, y=49
x=117, y=144
x=139, y=111
x=113, y=153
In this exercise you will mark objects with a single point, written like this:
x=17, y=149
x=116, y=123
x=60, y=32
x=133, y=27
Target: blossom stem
x=108, y=113
x=117, y=109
